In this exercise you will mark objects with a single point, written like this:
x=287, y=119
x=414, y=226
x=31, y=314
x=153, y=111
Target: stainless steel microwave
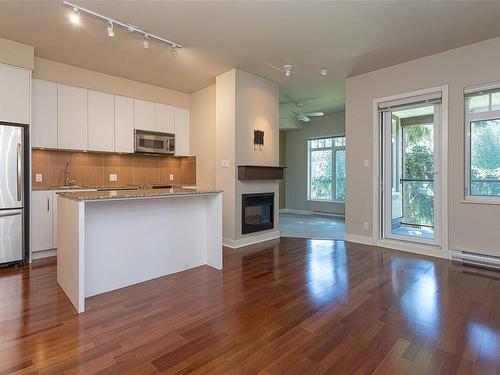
x=150, y=142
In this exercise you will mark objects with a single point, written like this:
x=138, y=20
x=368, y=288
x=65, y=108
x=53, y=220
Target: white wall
x=471, y=226
x=202, y=136
x=332, y=124
x=244, y=102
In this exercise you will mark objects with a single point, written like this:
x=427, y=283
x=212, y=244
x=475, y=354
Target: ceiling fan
x=304, y=117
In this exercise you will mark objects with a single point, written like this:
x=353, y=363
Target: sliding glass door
x=410, y=178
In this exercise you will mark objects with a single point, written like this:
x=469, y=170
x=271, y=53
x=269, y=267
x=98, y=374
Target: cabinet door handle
x=48, y=204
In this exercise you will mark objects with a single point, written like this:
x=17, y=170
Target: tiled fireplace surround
x=93, y=169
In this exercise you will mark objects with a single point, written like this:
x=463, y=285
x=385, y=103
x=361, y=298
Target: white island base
x=107, y=244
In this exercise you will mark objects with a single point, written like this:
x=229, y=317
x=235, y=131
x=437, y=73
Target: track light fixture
x=110, y=30
x=75, y=19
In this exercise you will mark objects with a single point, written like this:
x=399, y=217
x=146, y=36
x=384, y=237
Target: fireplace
x=257, y=212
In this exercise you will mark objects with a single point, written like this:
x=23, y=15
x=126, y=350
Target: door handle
x=10, y=214
x=48, y=204
x=19, y=172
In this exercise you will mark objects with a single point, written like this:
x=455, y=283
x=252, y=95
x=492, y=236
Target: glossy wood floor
x=297, y=307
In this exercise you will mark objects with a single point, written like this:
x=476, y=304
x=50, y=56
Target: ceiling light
x=323, y=72
x=173, y=50
x=110, y=30
x=74, y=17
x=288, y=69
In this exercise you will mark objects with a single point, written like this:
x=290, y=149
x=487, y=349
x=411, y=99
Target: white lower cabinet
x=41, y=220
x=44, y=219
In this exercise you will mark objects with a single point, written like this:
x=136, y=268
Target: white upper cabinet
x=72, y=117
x=44, y=114
x=15, y=95
x=124, y=124
x=101, y=114
x=181, y=132
x=144, y=115
x=165, y=122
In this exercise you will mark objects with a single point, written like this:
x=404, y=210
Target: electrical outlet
x=171, y=177
x=113, y=177
x=225, y=163
x=39, y=177
x=366, y=163
x=366, y=226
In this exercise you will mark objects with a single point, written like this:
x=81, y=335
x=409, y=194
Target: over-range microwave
x=150, y=142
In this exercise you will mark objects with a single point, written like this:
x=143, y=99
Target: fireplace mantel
x=259, y=172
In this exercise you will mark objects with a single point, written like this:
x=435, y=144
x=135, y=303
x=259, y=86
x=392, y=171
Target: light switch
x=113, y=177
x=225, y=163
x=171, y=177
x=39, y=177
x=366, y=163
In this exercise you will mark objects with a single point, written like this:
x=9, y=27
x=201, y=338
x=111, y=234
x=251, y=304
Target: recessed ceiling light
x=74, y=16
x=323, y=72
x=288, y=69
x=110, y=30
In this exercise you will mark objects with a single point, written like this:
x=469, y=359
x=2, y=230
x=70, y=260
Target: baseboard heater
x=476, y=259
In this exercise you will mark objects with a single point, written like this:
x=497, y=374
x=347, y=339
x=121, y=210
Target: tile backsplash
x=94, y=169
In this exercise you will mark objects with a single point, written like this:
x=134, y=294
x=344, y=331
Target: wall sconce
x=258, y=140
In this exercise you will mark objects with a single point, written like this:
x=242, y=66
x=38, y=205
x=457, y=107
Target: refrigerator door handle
x=10, y=214
x=19, y=172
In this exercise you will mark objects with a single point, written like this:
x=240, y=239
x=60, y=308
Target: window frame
x=469, y=118
x=334, y=150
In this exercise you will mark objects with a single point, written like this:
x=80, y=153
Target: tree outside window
x=326, y=169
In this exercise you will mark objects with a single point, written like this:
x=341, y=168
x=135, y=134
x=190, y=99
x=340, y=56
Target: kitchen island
x=112, y=239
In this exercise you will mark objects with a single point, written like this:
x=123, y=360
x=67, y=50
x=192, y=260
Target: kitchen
x=76, y=139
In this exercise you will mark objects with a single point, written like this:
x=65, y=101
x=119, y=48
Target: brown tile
x=127, y=169
x=188, y=170
x=112, y=166
x=140, y=165
x=78, y=167
x=40, y=164
x=57, y=166
x=95, y=169
x=153, y=170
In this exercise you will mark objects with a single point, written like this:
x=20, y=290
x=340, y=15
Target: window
x=326, y=169
x=482, y=123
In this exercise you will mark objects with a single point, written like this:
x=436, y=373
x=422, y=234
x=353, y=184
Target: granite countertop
x=88, y=187
x=82, y=196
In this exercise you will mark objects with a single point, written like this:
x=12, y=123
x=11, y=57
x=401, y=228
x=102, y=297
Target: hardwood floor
x=300, y=306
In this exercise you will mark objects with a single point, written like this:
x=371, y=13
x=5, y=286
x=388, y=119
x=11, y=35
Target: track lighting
x=288, y=69
x=110, y=30
x=75, y=19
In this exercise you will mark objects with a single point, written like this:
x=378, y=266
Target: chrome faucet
x=67, y=180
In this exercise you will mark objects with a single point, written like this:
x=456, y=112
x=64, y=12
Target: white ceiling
x=348, y=38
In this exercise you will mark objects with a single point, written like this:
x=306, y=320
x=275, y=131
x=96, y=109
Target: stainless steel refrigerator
x=12, y=208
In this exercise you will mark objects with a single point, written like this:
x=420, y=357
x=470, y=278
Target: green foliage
x=418, y=196
x=485, y=157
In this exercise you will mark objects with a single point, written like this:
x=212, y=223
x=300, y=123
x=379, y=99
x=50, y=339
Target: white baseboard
x=328, y=214
x=309, y=212
x=420, y=249
x=43, y=254
x=365, y=240
x=414, y=248
x=250, y=240
x=296, y=212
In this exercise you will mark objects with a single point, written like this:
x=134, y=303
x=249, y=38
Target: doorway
x=410, y=179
